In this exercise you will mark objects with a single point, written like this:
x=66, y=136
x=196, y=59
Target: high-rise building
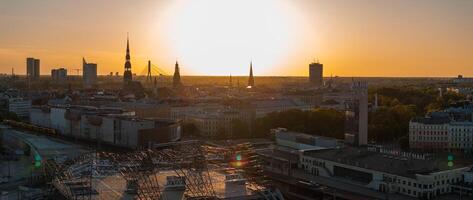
x=59, y=75
x=176, y=79
x=356, y=115
x=127, y=75
x=32, y=68
x=251, y=80
x=316, y=70
x=89, y=73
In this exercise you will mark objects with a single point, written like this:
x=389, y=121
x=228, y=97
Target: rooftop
x=431, y=120
x=363, y=158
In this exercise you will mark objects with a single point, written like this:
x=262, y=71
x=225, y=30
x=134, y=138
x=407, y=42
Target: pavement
x=42, y=147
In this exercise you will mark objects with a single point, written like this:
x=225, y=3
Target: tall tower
x=32, y=68
x=89, y=73
x=251, y=80
x=176, y=80
x=127, y=76
x=316, y=71
x=356, y=115
x=148, y=77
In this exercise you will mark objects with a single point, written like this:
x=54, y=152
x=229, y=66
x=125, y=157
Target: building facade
x=435, y=133
x=89, y=73
x=316, y=74
x=59, y=75
x=109, y=126
x=32, y=68
x=19, y=106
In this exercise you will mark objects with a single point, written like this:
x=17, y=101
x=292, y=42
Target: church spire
x=127, y=48
x=251, y=80
x=127, y=76
x=176, y=81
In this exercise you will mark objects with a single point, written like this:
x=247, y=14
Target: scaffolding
x=135, y=175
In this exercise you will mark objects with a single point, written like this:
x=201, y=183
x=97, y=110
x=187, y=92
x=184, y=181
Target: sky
x=221, y=37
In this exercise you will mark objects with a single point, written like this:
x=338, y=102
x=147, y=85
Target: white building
x=110, y=126
x=407, y=174
x=210, y=124
x=19, y=106
x=441, y=133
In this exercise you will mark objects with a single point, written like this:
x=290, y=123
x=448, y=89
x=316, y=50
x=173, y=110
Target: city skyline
x=402, y=38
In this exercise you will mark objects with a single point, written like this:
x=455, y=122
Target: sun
x=221, y=37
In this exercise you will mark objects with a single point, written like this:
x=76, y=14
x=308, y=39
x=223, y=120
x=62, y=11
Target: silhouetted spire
x=127, y=48
x=251, y=80
x=127, y=76
x=176, y=81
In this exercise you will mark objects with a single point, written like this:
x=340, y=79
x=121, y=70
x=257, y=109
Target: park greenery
x=389, y=123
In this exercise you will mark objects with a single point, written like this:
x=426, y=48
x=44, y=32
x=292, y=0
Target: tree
x=390, y=123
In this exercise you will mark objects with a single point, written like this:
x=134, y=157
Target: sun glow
x=221, y=37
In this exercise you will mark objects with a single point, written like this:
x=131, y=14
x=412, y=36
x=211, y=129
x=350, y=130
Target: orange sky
x=221, y=37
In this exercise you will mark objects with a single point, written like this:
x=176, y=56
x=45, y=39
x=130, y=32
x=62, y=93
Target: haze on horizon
x=221, y=37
